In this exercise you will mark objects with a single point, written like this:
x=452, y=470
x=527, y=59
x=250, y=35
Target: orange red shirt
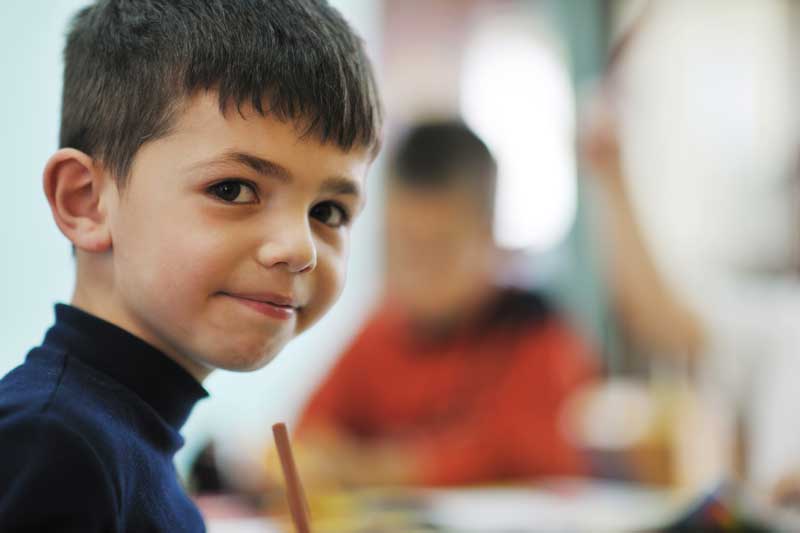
x=480, y=404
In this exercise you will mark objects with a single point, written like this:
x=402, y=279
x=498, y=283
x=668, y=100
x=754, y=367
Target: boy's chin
x=243, y=362
x=238, y=365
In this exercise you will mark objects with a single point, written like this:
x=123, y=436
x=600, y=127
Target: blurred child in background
x=454, y=379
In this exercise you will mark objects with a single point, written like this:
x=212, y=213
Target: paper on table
x=560, y=506
x=243, y=525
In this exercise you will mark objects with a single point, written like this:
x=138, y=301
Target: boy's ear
x=73, y=184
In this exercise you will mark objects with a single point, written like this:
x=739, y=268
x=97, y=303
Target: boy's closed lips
x=272, y=305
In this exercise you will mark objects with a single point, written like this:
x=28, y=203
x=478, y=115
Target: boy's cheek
x=340, y=273
x=328, y=285
x=176, y=273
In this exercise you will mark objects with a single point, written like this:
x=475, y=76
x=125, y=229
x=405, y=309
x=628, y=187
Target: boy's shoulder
x=36, y=440
x=42, y=403
x=53, y=385
x=27, y=391
x=70, y=433
x=48, y=470
x=55, y=398
x=46, y=464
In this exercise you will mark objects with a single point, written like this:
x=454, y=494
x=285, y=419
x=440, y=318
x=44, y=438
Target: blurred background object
x=647, y=184
x=460, y=377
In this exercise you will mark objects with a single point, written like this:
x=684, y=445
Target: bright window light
x=517, y=96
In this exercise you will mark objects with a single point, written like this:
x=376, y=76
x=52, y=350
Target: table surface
x=563, y=505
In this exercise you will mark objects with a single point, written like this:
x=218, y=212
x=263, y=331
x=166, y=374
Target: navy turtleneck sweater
x=88, y=429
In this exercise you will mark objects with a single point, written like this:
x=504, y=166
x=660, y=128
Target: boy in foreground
x=213, y=157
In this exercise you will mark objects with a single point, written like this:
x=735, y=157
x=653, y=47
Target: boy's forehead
x=243, y=129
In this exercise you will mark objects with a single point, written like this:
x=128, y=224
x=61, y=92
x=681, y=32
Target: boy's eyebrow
x=258, y=164
x=340, y=185
x=265, y=167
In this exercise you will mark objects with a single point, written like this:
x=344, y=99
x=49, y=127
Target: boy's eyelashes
x=234, y=192
x=238, y=191
x=330, y=213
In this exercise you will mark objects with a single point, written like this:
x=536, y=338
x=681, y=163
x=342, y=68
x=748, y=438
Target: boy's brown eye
x=331, y=214
x=234, y=192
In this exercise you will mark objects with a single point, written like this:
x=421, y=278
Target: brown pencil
x=294, y=490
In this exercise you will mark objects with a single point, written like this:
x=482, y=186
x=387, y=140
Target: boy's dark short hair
x=445, y=153
x=131, y=64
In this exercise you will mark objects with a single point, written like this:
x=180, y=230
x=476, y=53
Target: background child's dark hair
x=444, y=153
x=130, y=65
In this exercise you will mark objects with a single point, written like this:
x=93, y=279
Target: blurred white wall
x=37, y=267
x=710, y=129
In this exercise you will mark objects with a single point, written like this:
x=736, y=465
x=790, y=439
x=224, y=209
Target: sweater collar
x=161, y=382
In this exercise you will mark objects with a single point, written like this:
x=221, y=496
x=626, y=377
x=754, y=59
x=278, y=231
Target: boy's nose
x=293, y=250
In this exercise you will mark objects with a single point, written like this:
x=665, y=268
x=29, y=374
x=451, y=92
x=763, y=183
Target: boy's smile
x=273, y=305
x=229, y=238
